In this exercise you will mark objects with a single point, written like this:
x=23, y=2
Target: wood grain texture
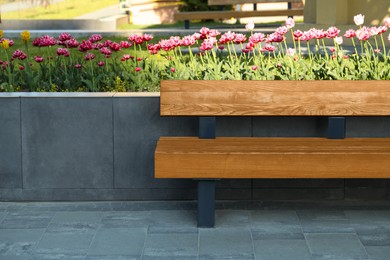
x=234, y=14
x=190, y=157
x=232, y=2
x=274, y=98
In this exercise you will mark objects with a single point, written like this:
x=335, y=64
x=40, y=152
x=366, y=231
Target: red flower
x=101, y=63
x=125, y=44
x=18, y=54
x=138, y=69
x=115, y=46
x=38, y=59
x=77, y=66
x=86, y=46
x=95, y=38
x=89, y=56
x=64, y=37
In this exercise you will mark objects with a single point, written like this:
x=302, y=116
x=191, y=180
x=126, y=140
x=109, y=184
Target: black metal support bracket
x=336, y=127
x=206, y=203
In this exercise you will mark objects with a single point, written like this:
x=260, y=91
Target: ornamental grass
x=65, y=64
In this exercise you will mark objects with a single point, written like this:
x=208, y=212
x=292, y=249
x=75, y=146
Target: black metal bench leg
x=186, y=24
x=289, y=7
x=206, y=203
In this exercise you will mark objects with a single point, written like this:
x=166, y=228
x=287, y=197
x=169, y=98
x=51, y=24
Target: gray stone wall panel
x=10, y=143
x=137, y=127
x=67, y=143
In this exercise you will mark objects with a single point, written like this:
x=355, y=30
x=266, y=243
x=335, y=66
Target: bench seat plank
x=265, y=98
x=232, y=157
x=232, y=2
x=234, y=14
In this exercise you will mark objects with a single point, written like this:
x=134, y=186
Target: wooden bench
x=207, y=158
x=226, y=14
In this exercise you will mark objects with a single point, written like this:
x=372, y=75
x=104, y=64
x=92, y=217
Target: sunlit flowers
x=25, y=35
x=358, y=19
x=4, y=44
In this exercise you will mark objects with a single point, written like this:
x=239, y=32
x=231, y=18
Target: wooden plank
x=272, y=158
x=275, y=98
x=234, y=14
x=232, y=2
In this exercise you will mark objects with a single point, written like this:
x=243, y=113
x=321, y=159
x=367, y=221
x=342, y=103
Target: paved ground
x=167, y=230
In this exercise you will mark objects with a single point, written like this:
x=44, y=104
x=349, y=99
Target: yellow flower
x=4, y=44
x=1, y=33
x=25, y=36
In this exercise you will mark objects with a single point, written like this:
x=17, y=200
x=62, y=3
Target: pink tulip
x=147, y=37
x=125, y=44
x=257, y=37
x=350, y=33
x=281, y=30
x=105, y=51
x=290, y=51
x=358, y=19
x=138, y=69
x=270, y=47
x=250, y=26
x=173, y=70
x=387, y=22
x=188, y=40
x=101, y=63
x=290, y=23
x=339, y=40
x=227, y=37
x=95, y=38
x=363, y=34
x=78, y=66
x=254, y=67
x=64, y=37
x=240, y=38
x=214, y=33
x=38, y=59
x=89, y=56
x=332, y=32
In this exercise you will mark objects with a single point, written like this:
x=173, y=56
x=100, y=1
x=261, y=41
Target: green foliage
x=201, y=5
x=135, y=69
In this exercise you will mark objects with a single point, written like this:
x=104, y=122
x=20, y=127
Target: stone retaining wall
x=77, y=147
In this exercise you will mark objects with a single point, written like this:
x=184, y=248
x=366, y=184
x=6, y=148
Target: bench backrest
x=232, y=2
x=274, y=98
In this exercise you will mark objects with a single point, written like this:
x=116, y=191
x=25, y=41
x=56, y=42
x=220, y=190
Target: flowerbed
x=138, y=64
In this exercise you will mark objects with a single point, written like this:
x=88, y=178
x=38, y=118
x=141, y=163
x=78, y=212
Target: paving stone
x=228, y=243
x=173, y=230
x=284, y=223
x=324, y=221
x=18, y=242
x=123, y=242
x=232, y=218
x=378, y=252
x=28, y=220
x=381, y=238
x=171, y=245
x=78, y=217
x=277, y=249
x=57, y=243
x=127, y=219
x=173, y=218
x=336, y=246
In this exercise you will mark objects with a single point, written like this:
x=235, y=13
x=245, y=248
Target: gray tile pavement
x=148, y=230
